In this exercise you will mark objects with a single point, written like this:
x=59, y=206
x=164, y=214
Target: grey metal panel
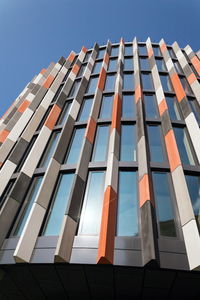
x=128, y=243
x=174, y=261
x=82, y=168
x=73, y=209
x=128, y=258
x=185, y=108
x=20, y=188
x=85, y=241
x=83, y=256
x=148, y=240
x=46, y=242
x=6, y=257
x=62, y=60
x=61, y=99
x=10, y=115
x=36, y=101
x=18, y=151
x=35, y=89
x=171, y=245
x=140, y=127
x=43, y=256
x=13, y=120
x=165, y=121
x=67, y=86
x=64, y=140
x=10, y=243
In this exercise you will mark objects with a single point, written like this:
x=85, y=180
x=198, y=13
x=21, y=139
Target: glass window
x=155, y=144
x=101, y=53
x=128, y=63
x=75, y=147
x=156, y=50
x=128, y=144
x=87, y=56
x=128, y=83
x=6, y=192
x=82, y=70
x=101, y=143
x=59, y=205
x=185, y=85
x=128, y=106
x=85, y=109
x=112, y=65
x=27, y=205
x=92, y=85
x=106, y=107
x=165, y=214
x=115, y=51
x=171, y=52
x=184, y=146
x=49, y=150
x=147, y=81
x=75, y=88
x=160, y=65
x=44, y=118
x=193, y=183
x=142, y=50
x=165, y=81
x=110, y=83
x=144, y=63
x=128, y=50
x=92, y=205
x=150, y=107
x=26, y=153
x=64, y=114
x=195, y=108
x=172, y=104
x=177, y=67
x=97, y=67
x=127, y=213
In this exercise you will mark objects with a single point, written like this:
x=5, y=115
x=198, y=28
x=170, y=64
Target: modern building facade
x=100, y=177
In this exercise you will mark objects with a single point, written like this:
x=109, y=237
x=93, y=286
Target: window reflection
x=128, y=83
x=110, y=83
x=172, y=104
x=155, y=144
x=193, y=183
x=49, y=150
x=85, y=109
x=101, y=143
x=112, y=65
x=75, y=147
x=115, y=51
x=184, y=146
x=127, y=213
x=92, y=205
x=147, y=81
x=27, y=205
x=165, y=214
x=144, y=64
x=106, y=107
x=59, y=205
x=128, y=50
x=128, y=144
x=150, y=107
x=166, y=83
x=128, y=63
x=128, y=106
x=64, y=114
x=75, y=88
x=92, y=85
x=97, y=67
x=160, y=64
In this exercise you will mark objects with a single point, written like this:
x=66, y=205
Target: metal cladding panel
x=47, y=95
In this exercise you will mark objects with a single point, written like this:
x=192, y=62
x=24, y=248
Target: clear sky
x=35, y=32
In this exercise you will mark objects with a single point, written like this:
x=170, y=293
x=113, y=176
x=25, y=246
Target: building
x=100, y=177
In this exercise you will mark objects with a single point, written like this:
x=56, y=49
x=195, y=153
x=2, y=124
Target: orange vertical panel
x=90, y=130
x=196, y=63
x=138, y=93
x=117, y=111
x=53, y=116
x=23, y=106
x=180, y=93
x=144, y=192
x=107, y=232
x=162, y=107
x=102, y=78
x=3, y=135
x=48, y=81
x=75, y=69
x=172, y=150
x=191, y=78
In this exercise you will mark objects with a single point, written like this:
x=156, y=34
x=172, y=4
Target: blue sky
x=35, y=32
